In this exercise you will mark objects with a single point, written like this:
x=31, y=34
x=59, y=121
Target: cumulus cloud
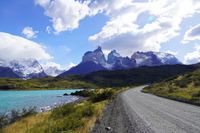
x=192, y=34
x=15, y=47
x=29, y=32
x=65, y=14
x=193, y=57
x=161, y=20
x=49, y=64
x=172, y=52
x=70, y=65
x=122, y=30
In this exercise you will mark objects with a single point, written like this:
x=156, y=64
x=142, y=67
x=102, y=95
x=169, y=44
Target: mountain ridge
x=117, y=62
x=26, y=68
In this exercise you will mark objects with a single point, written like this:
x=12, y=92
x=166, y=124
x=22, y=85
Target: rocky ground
x=114, y=120
x=136, y=112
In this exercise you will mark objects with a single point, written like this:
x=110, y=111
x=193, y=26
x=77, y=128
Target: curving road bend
x=137, y=112
x=150, y=113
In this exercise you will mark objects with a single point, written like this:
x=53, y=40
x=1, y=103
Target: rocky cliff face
x=154, y=58
x=116, y=61
x=95, y=56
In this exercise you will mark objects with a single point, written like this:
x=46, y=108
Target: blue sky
x=59, y=32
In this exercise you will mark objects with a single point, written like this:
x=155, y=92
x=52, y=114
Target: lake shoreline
x=44, y=100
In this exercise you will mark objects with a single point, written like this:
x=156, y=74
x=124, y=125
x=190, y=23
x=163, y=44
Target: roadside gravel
x=136, y=112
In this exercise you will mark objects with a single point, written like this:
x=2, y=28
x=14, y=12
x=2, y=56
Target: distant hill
x=185, y=87
x=83, y=68
x=136, y=76
x=102, y=79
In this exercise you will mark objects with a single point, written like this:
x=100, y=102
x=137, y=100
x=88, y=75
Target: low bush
x=60, y=112
x=106, y=94
x=67, y=118
x=196, y=94
x=83, y=93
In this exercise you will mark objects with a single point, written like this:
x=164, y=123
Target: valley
x=99, y=66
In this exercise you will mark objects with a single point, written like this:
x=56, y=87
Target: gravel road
x=137, y=112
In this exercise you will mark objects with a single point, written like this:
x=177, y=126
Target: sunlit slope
x=185, y=87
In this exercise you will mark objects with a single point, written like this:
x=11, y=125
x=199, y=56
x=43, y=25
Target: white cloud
x=122, y=30
x=172, y=52
x=52, y=68
x=43, y=3
x=51, y=64
x=48, y=30
x=65, y=14
x=29, y=32
x=70, y=65
x=193, y=57
x=15, y=47
x=192, y=34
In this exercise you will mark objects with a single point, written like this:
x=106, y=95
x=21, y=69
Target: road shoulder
x=114, y=116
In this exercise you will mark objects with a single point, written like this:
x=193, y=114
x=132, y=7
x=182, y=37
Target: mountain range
x=24, y=68
x=95, y=60
x=91, y=61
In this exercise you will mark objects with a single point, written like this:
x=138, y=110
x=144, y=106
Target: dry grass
x=41, y=120
x=89, y=123
x=23, y=125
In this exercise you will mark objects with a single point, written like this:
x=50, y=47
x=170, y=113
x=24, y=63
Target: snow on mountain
x=95, y=56
x=167, y=58
x=119, y=62
x=25, y=68
x=113, y=56
x=154, y=58
x=53, y=71
x=95, y=61
x=91, y=61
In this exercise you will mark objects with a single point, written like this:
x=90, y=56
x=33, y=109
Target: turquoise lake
x=10, y=100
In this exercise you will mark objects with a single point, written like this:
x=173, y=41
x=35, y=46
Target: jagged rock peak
x=113, y=56
x=96, y=56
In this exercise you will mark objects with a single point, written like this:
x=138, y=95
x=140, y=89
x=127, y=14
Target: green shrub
x=196, y=83
x=87, y=110
x=196, y=94
x=66, y=124
x=69, y=117
x=83, y=93
x=62, y=111
x=106, y=94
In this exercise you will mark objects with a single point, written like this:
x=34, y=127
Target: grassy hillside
x=43, y=83
x=119, y=78
x=136, y=76
x=185, y=87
